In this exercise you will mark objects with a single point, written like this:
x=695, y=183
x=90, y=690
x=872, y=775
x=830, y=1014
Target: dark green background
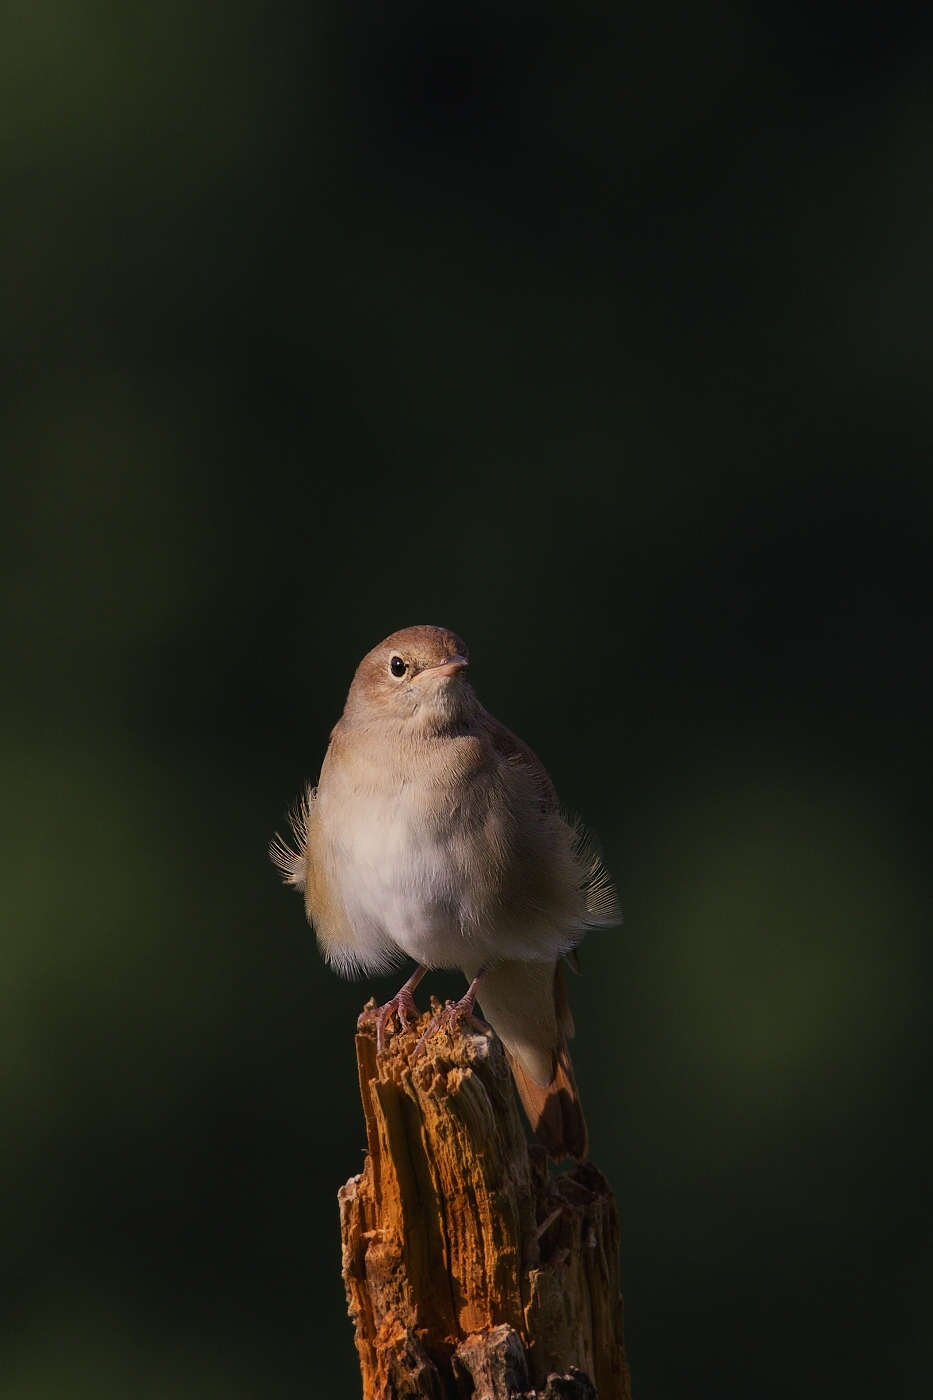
x=602, y=334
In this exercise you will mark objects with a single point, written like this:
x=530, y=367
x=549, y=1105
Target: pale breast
x=396, y=882
x=448, y=865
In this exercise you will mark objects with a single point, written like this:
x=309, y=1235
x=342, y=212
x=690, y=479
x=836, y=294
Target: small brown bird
x=435, y=832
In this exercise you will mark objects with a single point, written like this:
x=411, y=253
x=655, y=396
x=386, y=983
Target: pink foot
x=451, y=1017
x=401, y=1005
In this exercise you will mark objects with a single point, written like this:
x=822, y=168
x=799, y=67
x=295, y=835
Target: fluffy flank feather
x=602, y=905
x=349, y=963
x=290, y=862
x=293, y=864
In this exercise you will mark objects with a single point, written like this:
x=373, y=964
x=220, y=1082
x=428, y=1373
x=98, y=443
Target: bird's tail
x=554, y=1113
x=526, y=1005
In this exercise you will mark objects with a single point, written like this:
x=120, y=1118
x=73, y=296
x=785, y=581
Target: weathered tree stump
x=471, y=1269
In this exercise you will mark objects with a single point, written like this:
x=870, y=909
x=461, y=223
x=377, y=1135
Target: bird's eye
x=397, y=666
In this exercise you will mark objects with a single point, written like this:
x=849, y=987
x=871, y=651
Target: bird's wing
x=598, y=891
x=525, y=763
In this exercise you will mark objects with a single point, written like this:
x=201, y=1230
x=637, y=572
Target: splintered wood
x=471, y=1270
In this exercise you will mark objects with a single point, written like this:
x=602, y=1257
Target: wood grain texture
x=470, y=1269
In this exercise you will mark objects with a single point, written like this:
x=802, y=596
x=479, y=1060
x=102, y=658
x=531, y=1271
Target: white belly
x=398, y=883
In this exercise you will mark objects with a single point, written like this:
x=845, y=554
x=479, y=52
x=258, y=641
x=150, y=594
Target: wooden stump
x=471, y=1269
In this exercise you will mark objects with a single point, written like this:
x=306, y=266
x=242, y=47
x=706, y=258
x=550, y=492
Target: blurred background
x=603, y=335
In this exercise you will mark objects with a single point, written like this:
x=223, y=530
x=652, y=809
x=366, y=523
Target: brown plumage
x=538, y=990
x=435, y=832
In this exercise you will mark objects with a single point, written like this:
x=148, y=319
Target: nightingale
x=435, y=833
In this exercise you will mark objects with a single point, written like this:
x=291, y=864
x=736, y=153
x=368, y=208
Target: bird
x=435, y=833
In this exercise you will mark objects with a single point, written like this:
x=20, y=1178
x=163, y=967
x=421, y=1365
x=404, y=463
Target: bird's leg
x=403, y=1003
x=451, y=1016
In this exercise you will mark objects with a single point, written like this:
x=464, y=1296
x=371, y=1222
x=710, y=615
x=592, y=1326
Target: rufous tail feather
x=554, y=1113
x=526, y=1004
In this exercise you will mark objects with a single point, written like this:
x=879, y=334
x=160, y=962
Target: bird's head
x=415, y=678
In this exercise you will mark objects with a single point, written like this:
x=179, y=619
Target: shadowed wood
x=470, y=1269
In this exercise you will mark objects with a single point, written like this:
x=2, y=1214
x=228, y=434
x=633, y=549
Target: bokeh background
x=602, y=334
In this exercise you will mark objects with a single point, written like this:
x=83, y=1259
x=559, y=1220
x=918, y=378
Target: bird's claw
x=450, y=1018
x=401, y=1005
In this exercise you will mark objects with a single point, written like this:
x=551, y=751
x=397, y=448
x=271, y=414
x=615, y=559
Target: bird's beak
x=450, y=666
